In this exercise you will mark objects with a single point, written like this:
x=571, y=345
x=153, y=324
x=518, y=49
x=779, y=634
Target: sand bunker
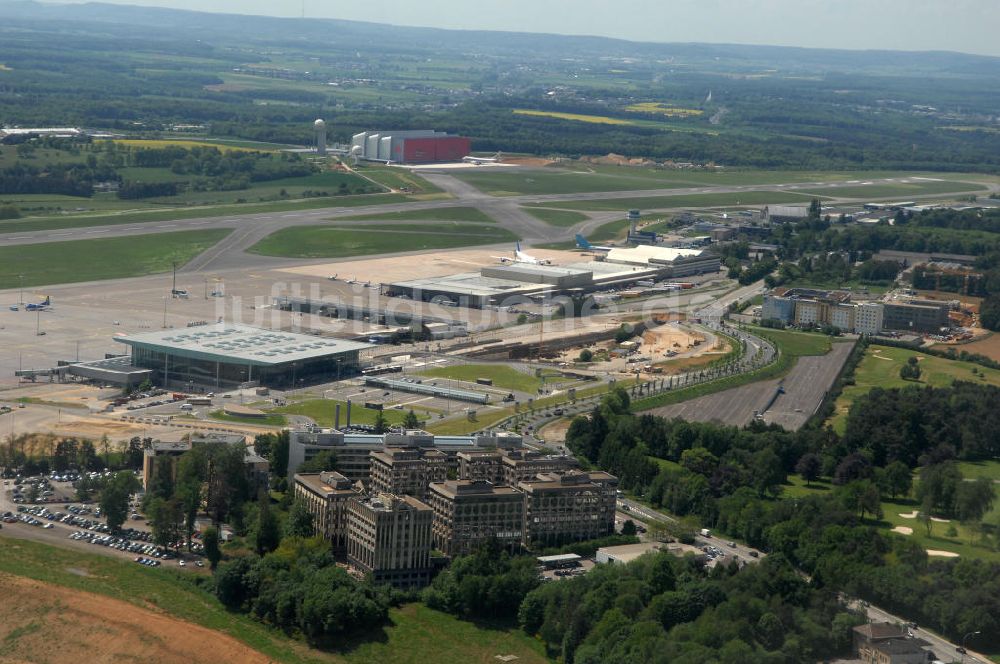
x=903, y=530
x=911, y=515
x=942, y=554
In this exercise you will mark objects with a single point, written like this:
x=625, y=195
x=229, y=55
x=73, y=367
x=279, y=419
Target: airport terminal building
x=226, y=355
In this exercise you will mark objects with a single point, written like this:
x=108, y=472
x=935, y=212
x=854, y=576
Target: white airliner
x=479, y=161
x=521, y=257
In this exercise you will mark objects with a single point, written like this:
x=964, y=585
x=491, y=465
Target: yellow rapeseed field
x=663, y=109
x=596, y=119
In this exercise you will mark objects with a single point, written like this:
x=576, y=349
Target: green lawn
x=415, y=634
x=880, y=368
x=977, y=469
x=965, y=543
x=322, y=410
x=269, y=420
x=134, y=212
x=397, y=178
x=504, y=377
x=796, y=344
x=579, y=177
x=333, y=242
x=438, y=214
x=685, y=201
x=111, y=258
x=561, y=218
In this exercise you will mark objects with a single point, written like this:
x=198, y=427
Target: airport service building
x=226, y=355
x=420, y=146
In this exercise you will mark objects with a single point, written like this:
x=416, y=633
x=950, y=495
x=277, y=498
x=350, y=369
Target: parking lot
x=79, y=526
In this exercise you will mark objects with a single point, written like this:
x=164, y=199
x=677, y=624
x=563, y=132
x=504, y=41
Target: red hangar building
x=410, y=147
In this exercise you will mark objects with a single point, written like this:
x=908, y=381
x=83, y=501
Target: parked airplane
x=38, y=306
x=479, y=161
x=582, y=243
x=522, y=257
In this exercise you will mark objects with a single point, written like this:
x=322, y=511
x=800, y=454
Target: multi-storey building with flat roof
x=468, y=513
x=568, y=507
x=519, y=465
x=353, y=450
x=407, y=470
x=326, y=496
x=921, y=316
x=389, y=537
x=481, y=465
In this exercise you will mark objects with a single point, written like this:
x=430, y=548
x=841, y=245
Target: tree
x=265, y=533
x=924, y=517
x=323, y=462
x=628, y=528
x=809, y=467
x=115, y=498
x=300, y=520
x=897, y=479
x=411, y=421
x=210, y=540
x=165, y=517
x=767, y=472
x=974, y=499
x=910, y=370
x=381, y=424
x=586, y=355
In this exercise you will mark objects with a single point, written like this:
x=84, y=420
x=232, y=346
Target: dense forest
x=732, y=480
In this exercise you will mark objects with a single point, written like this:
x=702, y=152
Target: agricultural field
x=899, y=516
x=166, y=616
x=109, y=258
x=339, y=242
x=224, y=146
x=503, y=376
x=553, y=217
x=458, y=214
x=668, y=110
x=576, y=117
x=880, y=368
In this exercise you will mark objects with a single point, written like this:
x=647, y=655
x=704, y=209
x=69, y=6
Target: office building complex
x=469, y=513
x=326, y=496
x=407, y=470
x=568, y=507
x=389, y=537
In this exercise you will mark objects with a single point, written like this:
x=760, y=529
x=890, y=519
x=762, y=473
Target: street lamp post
x=964, y=639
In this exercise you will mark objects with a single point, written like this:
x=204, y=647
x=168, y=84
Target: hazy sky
x=970, y=26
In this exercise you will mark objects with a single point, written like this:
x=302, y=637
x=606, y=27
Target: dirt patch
x=555, y=432
x=42, y=622
x=528, y=161
x=77, y=571
x=988, y=346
